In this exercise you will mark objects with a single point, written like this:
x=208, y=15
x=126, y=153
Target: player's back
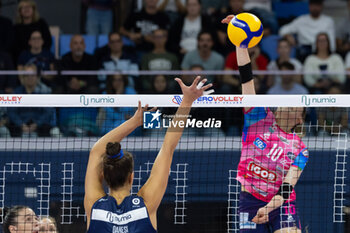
x=130, y=216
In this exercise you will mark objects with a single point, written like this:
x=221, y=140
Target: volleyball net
x=43, y=160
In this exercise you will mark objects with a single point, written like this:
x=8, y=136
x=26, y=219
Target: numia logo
x=135, y=201
x=307, y=100
x=87, y=100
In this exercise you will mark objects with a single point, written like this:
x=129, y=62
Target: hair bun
x=5, y=211
x=113, y=148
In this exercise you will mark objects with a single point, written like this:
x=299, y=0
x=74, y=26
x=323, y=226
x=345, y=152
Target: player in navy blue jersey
x=118, y=211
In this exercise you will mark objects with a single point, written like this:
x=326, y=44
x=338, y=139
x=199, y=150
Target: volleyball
x=245, y=30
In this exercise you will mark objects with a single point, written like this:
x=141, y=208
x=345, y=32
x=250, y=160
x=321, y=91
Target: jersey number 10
x=275, y=152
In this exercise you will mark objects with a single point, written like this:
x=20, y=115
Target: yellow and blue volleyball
x=245, y=30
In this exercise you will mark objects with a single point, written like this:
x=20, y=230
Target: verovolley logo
x=317, y=100
x=10, y=99
x=153, y=120
x=212, y=100
x=177, y=99
x=89, y=100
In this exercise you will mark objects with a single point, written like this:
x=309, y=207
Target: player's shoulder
x=302, y=148
x=102, y=202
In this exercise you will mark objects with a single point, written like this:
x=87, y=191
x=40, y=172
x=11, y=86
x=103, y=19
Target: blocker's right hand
x=228, y=19
x=196, y=90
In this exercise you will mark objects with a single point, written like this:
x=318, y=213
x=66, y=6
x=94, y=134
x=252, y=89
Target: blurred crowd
x=166, y=35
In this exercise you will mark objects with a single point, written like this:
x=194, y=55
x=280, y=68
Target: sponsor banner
x=174, y=100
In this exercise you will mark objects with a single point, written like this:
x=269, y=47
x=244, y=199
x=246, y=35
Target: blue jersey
x=130, y=216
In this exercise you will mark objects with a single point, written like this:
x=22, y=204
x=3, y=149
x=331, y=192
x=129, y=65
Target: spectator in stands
x=184, y=32
x=234, y=7
x=347, y=67
x=20, y=219
x=210, y=6
x=262, y=9
x=283, y=50
x=343, y=34
x=160, y=85
x=334, y=119
x=139, y=26
x=78, y=59
x=117, y=57
x=204, y=55
x=39, y=56
x=323, y=60
x=48, y=225
x=307, y=27
x=99, y=17
x=7, y=82
x=27, y=21
x=31, y=122
x=4, y=132
x=6, y=33
x=109, y=118
x=173, y=8
x=188, y=79
x=159, y=59
x=36, y=54
x=259, y=60
x=288, y=84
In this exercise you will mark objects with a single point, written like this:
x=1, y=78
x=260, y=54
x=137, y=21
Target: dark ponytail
x=10, y=215
x=117, y=165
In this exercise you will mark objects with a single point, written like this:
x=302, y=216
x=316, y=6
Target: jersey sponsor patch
x=266, y=136
x=136, y=201
x=283, y=139
x=305, y=152
x=259, y=143
x=261, y=192
x=244, y=222
x=119, y=219
x=262, y=172
x=291, y=155
x=300, y=161
x=296, y=145
x=273, y=128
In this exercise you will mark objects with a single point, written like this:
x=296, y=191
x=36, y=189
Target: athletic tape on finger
x=208, y=92
x=200, y=85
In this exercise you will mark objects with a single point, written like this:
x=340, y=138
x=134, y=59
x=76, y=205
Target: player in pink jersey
x=272, y=160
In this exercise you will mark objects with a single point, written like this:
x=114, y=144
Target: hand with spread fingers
x=196, y=90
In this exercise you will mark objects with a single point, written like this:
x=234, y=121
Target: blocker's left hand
x=228, y=19
x=138, y=116
x=262, y=216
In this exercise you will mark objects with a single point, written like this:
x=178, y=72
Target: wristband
x=285, y=190
x=246, y=73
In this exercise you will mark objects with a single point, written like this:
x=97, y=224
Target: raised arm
x=93, y=178
x=244, y=66
x=154, y=189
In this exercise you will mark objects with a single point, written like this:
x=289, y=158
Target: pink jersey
x=267, y=154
